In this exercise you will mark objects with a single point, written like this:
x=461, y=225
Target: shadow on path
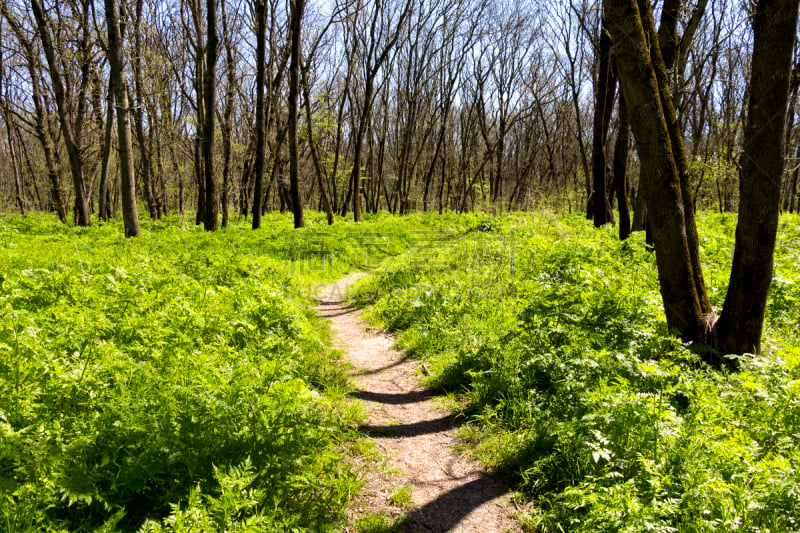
x=392, y=399
x=445, y=512
x=381, y=369
x=326, y=313
x=416, y=429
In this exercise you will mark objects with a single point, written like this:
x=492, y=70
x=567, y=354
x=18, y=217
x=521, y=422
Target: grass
x=551, y=335
x=401, y=497
x=380, y=523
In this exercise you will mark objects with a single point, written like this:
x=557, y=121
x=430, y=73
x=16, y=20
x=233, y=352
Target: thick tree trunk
x=741, y=322
x=661, y=180
x=676, y=140
x=130, y=215
x=645, y=87
x=297, y=7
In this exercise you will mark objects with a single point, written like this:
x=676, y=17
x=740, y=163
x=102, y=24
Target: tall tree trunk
x=355, y=176
x=297, y=7
x=211, y=208
x=40, y=115
x=793, y=187
x=18, y=195
x=677, y=145
x=604, y=102
x=621, y=148
x=150, y=196
x=326, y=200
x=741, y=322
x=227, y=119
x=661, y=180
x=199, y=176
x=260, y=10
x=73, y=150
x=104, y=207
x=15, y=161
x=642, y=76
x=130, y=215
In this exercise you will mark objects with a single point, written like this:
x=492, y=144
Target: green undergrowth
x=178, y=381
x=551, y=337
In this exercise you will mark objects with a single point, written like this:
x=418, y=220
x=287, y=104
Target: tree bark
x=604, y=101
x=326, y=200
x=661, y=179
x=73, y=150
x=130, y=215
x=211, y=207
x=741, y=323
x=150, y=196
x=676, y=139
x=260, y=10
x=642, y=76
x=297, y=8
x=621, y=148
x=104, y=207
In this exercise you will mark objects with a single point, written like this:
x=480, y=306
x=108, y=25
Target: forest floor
x=420, y=474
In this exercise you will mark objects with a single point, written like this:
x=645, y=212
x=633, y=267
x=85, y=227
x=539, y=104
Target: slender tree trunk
x=621, y=148
x=227, y=118
x=355, y=176
x=326, y=201
x=15, y=161
x=297, y=8
x=604, y=101
x=130, y=215
x=150, y=196
x=73, y=150
x=211, y=207
x=18, y=195
x=260, y=10
x=104, y=195
x=793, y=188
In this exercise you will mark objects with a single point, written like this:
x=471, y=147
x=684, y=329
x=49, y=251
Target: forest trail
x=448, y=491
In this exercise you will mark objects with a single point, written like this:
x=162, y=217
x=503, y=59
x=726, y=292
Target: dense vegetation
x=180, y=382
x=551, y=340
x=179, y=378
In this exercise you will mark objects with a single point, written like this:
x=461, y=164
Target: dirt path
x=448, y=492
